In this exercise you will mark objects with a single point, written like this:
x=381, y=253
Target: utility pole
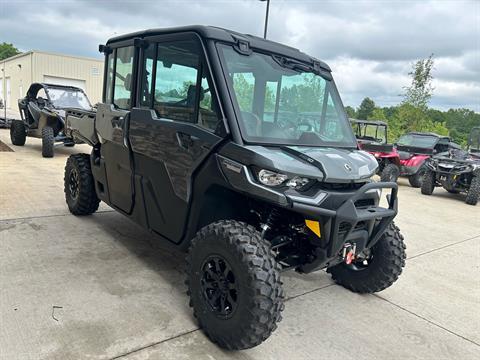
x=266, y=18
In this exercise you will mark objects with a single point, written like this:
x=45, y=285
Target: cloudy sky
x=370, y=45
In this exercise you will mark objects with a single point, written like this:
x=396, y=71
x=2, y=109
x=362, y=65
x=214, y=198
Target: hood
x=340, y=165
x=334, y=165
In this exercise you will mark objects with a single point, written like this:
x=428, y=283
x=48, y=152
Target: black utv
x=43, y=115
x=239, y=151
x=456, y=170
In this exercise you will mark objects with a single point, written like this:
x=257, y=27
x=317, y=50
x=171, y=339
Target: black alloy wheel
x=219, y=286
x=73, y=184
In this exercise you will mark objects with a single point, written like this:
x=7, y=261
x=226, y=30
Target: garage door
x=64, y=81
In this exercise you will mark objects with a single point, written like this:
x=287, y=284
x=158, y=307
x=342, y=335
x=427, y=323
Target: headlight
x=297, y=182
x=271, y=178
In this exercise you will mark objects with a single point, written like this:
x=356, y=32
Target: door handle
x=117, y=121
x=185, y=140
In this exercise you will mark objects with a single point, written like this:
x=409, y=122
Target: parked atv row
x=43, y=115
x=427, y=159
x=406, y=157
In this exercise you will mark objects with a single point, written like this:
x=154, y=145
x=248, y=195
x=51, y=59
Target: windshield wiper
x=293, y=64
x=304, y=157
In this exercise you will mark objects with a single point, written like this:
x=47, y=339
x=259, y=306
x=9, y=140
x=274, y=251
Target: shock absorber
x=273, y=219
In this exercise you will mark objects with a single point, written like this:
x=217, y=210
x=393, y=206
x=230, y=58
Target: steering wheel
x=309, y=127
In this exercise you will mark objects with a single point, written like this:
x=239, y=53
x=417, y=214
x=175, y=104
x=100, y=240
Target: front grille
x=340, y=187
x=344, y=227
x=363, y=203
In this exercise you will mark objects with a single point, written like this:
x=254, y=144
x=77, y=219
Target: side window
x=176, y=84
x=109, y=79
x=41, y=94
x=123, y=77
x=176, y=80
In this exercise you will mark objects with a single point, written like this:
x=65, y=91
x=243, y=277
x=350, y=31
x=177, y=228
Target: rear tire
x=416, y=179
x=79, y=186
x=48, y=142
x=234, y=284
x=383, y=269
x=474, y=192
x=18, y=134
x=428, y=184
x=390, y=173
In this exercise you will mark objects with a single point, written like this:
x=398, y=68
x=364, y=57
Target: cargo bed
x=80, y=125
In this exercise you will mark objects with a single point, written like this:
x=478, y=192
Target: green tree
x=420, y=90
x=243, y=91
x=460, y=122
x=377, y=114
x=350, y=112
x=366, y=108
x=7, y=50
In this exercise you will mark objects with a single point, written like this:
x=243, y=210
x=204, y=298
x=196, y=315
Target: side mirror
x=104, y=49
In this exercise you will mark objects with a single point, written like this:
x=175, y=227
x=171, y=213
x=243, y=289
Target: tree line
x=413, y=113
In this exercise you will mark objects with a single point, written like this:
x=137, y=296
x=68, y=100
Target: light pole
x=266, y=18
x=4, y=91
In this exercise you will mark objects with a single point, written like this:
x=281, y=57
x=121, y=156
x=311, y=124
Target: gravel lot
x=100, y=287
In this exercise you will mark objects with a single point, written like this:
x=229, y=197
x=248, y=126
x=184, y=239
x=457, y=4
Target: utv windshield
x=283, y=101
x=370, y=132
x=422, y=141
x=68, y=98
x=474, y=141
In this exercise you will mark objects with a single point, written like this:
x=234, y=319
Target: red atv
x=372, y=137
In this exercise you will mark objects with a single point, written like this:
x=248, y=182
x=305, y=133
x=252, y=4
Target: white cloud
x=370, y=45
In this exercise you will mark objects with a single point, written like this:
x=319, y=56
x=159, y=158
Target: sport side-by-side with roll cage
x=43, y=112
x=239, y=151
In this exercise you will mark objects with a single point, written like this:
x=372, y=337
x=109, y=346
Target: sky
x=370, y=45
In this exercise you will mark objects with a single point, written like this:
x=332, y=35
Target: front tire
x=390, y=173
x=79, y=185
x=383, y=267
x=234, y=284
x=416, y=179
x=48, y=142
x=428, y=183
x=18, y=134
x=474, y=192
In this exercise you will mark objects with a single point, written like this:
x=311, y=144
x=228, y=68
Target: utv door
x=173, y=130
x=112, y=126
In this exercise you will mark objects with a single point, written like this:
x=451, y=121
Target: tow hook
x=349, y=251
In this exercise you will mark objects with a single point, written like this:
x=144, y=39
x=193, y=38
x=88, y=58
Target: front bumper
x=408, y=170
x=350, y=223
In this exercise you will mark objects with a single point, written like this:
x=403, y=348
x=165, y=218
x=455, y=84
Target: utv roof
x=369, y=122
x=35, y=87
x=227, y=36
x=427, y=134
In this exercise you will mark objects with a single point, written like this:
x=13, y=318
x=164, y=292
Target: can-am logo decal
x=347, y=167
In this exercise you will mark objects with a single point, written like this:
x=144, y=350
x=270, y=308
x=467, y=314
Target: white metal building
x=19, y=71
